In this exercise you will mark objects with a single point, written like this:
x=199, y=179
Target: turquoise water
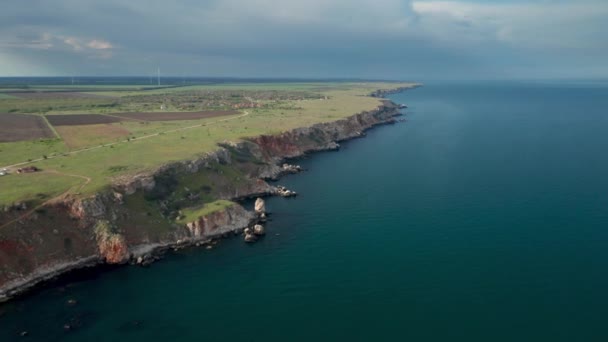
x=484, y=217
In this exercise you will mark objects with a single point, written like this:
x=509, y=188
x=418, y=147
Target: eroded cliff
x=170, y=206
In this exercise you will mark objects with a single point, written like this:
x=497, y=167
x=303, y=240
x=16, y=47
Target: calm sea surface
x=484, y=217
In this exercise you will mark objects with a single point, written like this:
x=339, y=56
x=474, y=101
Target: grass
x=36, y=187
x=192, y=214
x=57, y=105
x=103, y=164
x=15, y=152
x=144, y=219
x=6, y=96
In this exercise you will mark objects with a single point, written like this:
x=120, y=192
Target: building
x=28, y=169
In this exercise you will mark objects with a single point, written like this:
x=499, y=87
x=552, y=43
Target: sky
x=373, y=39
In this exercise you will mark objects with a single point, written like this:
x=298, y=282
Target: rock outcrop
x=260, y=206
x=112, y=246
x=220, y=222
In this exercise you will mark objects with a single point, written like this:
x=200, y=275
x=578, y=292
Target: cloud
x=309, y=38
x=560, y=25
x=99, y=45
x=74, y=43
x=44, y=42
x=48, y=41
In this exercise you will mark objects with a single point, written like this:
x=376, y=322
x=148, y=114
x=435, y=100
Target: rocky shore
x=139, y=215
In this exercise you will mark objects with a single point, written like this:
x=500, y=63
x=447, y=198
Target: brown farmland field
x=88, y=135
x=171, y=116
x=19, y=127
x=82, y=119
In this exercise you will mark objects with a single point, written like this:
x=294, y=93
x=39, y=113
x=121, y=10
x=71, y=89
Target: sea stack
x=260, y=207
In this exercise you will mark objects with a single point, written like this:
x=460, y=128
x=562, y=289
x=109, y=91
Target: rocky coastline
x=385, y=92
x=138, y=217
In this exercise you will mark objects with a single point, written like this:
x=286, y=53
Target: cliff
x=385, y=92
x=141, y=213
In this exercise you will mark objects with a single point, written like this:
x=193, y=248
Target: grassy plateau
x=86, y=156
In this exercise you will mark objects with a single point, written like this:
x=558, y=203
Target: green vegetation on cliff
x=192, y=214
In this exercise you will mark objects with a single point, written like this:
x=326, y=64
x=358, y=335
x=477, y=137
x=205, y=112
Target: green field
x=128, y=147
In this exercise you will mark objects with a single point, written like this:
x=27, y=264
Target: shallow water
x=483, y=217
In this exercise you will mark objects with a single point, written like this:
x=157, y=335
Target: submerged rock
x=333, y=146
x=131, y=326
x=288, y=168
x=146, y=259
x=284, y=192
x=249, y=237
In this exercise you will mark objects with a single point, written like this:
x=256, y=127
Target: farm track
x=82, y=119
x=173, y=116
x=51, y=127
x=95, y=119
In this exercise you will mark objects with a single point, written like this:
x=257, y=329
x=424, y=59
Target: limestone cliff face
x=323, y=136
x=111, y=244
x=88, y=208
x=220, y=222
x=139, y=212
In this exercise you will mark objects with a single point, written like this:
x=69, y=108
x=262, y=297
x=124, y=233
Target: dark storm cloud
x=312, y=38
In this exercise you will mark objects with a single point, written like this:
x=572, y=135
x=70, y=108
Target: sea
x=482, y=217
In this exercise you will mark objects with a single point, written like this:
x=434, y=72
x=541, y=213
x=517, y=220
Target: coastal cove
x=480, y=218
